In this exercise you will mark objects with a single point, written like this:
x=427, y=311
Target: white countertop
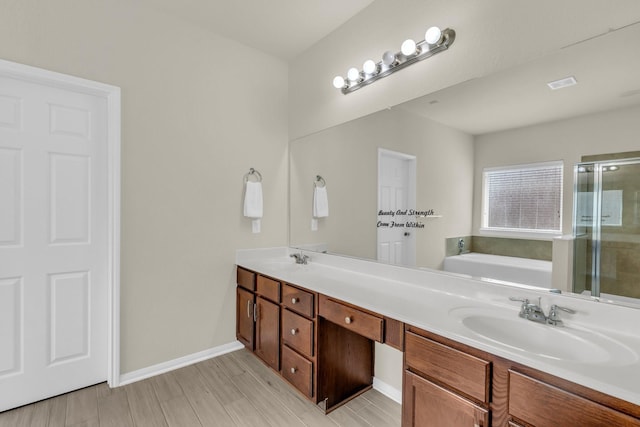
x=437, y=301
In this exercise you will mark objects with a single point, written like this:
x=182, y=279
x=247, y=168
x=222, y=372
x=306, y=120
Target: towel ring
x=320, y=180
x=253, y=173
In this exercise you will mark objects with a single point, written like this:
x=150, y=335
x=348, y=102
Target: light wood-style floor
x=231, y=390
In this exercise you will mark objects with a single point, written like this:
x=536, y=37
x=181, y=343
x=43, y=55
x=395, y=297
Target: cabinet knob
x=348, y=320
x=294, y=370
x=294, y=331
x=295, y=300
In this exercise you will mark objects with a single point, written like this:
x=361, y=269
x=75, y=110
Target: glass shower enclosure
x=606, y=229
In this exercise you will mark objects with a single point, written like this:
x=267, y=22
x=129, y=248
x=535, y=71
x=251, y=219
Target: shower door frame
x=596, y=224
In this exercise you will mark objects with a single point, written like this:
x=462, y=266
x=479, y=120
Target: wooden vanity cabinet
x=258, y=315
x=449, y=383
x=277, y=322
x=325, y=349
x=267, y=321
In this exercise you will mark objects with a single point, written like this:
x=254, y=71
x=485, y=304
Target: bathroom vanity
x=322, y=346
x=316, y=325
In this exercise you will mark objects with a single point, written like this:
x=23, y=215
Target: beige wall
x=566, y=140
x=492, y=35
x=347, y=157
x=195, y=117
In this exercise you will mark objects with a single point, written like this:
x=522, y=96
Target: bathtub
x=511, y=269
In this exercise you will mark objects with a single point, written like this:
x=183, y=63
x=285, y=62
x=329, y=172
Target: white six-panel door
x=396, y=192
x=53, y=241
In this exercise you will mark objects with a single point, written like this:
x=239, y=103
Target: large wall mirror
x=431, y=153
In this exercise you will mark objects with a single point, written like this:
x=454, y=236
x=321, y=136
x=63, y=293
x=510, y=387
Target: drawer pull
x=295, y=300
x=348, y=320
x=294, y=370
x=294, y=331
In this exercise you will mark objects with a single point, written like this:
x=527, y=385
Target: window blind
x=525, y=199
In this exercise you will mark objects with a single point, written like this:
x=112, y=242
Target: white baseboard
x=181, y=362
x=388, y=390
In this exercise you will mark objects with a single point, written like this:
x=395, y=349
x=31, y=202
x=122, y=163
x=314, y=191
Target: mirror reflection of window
x=523, y=198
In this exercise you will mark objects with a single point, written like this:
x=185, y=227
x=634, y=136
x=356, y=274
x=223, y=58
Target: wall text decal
x=383, y=222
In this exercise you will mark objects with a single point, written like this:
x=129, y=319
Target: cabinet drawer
x=297, y=370
x=246, y=279
x=297, y=332
x=358, y=321
x=543, y=405
x=298, y=300
x=268, y=288
x=463, y=372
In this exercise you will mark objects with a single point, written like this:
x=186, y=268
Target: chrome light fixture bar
x=411, y=52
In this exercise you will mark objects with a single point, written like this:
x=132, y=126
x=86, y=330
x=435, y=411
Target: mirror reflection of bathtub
x=526, y=271
x=523, y=271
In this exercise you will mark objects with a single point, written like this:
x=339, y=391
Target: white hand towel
x=320, y=202
x=253, y=204
x=253, y=200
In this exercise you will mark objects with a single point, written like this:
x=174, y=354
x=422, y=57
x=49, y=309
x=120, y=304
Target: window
x=523, y=198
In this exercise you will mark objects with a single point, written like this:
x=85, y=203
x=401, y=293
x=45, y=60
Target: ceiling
x=283, y=28
x=606, y=68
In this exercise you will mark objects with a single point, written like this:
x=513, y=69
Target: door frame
x=112, y=96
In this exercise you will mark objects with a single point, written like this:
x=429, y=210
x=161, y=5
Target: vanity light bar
x=435, y=41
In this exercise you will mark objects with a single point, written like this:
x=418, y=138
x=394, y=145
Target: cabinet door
x=425, y=404
x=267, y=345
x=244, y=317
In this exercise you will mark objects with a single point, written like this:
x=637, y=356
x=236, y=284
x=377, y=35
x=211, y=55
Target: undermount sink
x=553, y=342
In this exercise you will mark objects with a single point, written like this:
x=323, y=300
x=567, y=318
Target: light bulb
x=388, y=58
x=433, y=35
x=338, y=82
x=353, y=74
x=369, y=67
x=408, y=47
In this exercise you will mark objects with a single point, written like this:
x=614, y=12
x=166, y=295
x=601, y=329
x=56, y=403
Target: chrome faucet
x=535, y=313
x=553, y=318
x=301, y=258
